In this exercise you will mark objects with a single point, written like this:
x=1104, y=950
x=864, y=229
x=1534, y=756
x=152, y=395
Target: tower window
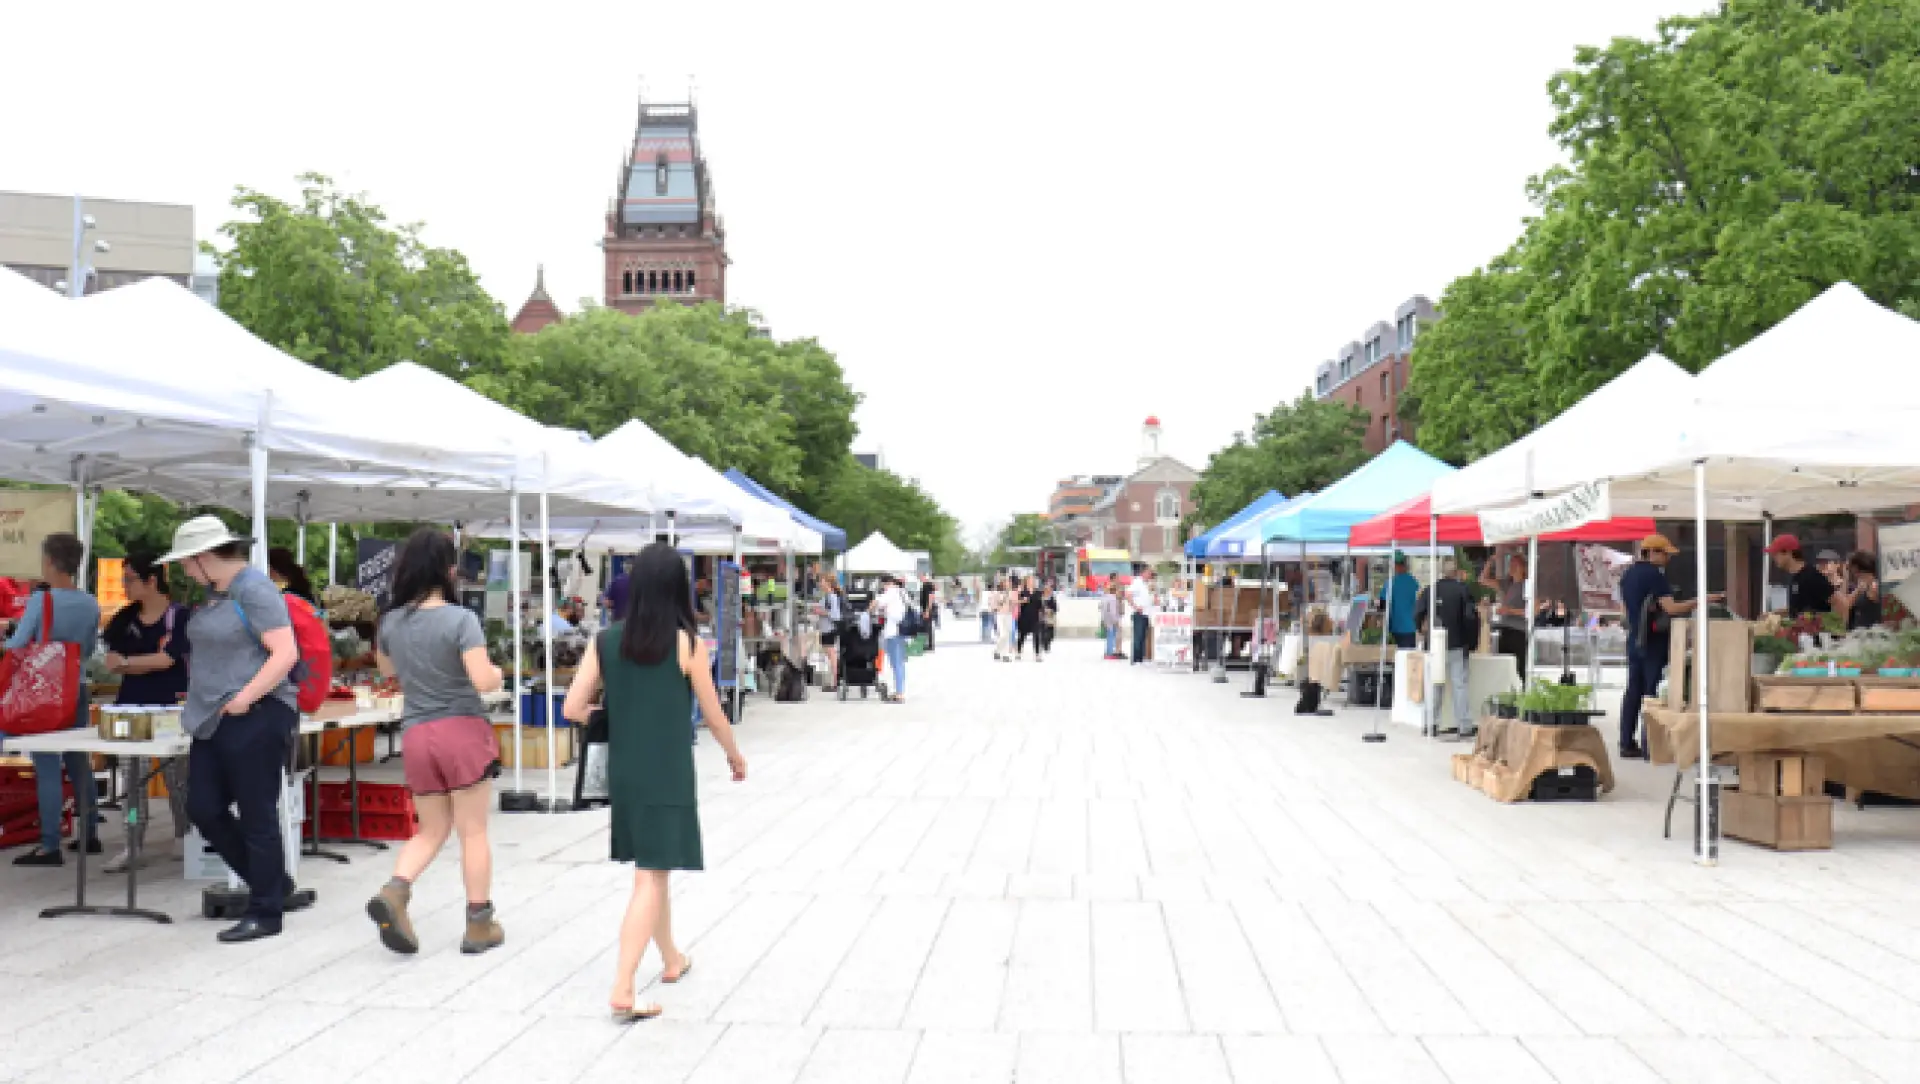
x=660, y=174
x=1169, y=506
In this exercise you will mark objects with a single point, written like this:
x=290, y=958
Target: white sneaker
x=118, y=863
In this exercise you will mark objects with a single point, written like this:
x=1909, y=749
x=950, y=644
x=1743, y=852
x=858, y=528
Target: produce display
x=347, y=605
x=1815, y=646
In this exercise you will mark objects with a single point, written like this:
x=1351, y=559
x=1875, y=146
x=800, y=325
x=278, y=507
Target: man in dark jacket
x=1451, y=602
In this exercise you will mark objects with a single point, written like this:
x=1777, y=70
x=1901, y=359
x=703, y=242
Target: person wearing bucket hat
x=241, y=714
x=1404, y=590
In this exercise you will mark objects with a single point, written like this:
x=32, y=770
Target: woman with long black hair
x=437, y=649
x=147, y=646
x=654, y=668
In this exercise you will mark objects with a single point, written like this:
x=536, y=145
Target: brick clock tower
x=663, y=238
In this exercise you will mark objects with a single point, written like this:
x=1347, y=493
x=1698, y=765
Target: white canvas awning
x=877, y=554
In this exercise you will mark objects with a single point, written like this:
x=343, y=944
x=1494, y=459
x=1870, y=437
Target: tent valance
x=1409, y=522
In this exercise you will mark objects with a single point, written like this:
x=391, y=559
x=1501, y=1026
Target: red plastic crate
x=383, y=826
x=374, y=798
x=20, y=807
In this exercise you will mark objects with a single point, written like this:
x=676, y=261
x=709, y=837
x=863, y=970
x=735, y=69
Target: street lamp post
x=79, y=267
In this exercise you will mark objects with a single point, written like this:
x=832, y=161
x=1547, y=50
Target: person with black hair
x=241, y=713
x=147, y=646
x=288, y=576
x=437, y=650
x=76, y=620
x=654, y=667
x=1859, y=601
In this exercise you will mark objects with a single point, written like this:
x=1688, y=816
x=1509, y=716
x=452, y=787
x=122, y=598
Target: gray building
x=144, y=240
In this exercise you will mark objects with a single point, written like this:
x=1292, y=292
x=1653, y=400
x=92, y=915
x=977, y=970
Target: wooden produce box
x=1889, y=694
x=1781, y=803
x=533, y=746
x=1818, y=695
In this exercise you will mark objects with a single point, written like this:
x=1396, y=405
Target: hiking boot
x=388, y=909
x=483, y=932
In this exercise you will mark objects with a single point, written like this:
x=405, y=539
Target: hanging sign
x=27, y=516
x=374, y=571
x=1899, y=553
x=1600, y=569
x=1577, y=507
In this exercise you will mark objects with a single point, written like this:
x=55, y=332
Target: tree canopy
x=1718, y=176
x=330, y=281
x=1298, y=446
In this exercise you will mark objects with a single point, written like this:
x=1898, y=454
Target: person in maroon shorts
x=437, y=650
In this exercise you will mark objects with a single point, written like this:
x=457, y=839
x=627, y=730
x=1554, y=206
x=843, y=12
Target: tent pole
x=1386, y=645
x=257, y=461
x=333, y=552
x=1766, y=565
x=1707, y=843
x=516, y=607
x=1436, y=660
x=673, y=539
x=793, y=633
x=552, y=803
x=738, y=669
x=1533, y=579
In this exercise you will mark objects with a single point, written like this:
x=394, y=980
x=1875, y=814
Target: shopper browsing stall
x=147, y=646
x=1140, y=602
x=1650, y=608
x=1454, y=609
x=1510, y=609
x=241, y=714
x=1858, y=600
x=1402, y=592
x=75, y=620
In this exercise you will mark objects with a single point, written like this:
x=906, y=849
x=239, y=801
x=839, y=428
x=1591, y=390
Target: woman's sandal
x=632, y=1015
x=686, y=965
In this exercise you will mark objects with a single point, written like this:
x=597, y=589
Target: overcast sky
x=1023, y=227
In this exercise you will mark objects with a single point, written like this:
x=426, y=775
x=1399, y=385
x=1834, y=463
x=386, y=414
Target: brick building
x=663, y=238
x=1141, y=512
x=1371, y=372
x=1075, y=497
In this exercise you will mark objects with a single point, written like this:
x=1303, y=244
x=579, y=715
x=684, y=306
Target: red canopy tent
x=1408, y=524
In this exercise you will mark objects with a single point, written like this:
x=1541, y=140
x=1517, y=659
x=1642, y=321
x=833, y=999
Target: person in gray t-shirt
x=76, y=620
x=1510, y=611
x=435, y=647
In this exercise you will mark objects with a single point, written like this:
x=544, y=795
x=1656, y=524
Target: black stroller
x=859, y=658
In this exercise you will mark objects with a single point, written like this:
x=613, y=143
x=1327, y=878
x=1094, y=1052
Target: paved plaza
x=1076, y=871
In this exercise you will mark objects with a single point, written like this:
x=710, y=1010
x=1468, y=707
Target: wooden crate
x=1889, y=694
x=1782, y=775
x=1461, y=765
x=1730, y=655
x=1820, y=696
x=533, y=746
x=1786, y=824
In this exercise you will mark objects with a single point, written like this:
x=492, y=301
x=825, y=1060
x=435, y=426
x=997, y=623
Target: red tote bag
x=40, y=682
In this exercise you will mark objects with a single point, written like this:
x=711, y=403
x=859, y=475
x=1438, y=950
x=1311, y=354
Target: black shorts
x=829, y=637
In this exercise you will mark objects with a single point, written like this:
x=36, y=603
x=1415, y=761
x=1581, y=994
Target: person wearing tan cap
x=1650, y=610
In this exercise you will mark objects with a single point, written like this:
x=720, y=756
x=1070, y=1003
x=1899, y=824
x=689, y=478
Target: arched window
x=626, y=282
x=676, y=282
x=653, y=282
x=1168, y=506
x=689, y=282
x=660, y=174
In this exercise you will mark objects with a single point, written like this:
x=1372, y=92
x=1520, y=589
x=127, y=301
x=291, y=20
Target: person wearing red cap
x=1808, y=591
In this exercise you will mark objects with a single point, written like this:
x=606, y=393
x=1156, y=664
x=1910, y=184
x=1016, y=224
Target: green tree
x=1024, y=529
x=1718, y=177
x=1299, y=446
x=329, y=280
x=861, y=501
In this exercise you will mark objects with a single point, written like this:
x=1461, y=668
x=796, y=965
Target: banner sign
x=1576, y=507
x=1599, y=569
x=1899, y=553
x=28, y=516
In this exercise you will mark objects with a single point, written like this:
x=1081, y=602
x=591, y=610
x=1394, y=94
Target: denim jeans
x=1140, y=626
x=1113, y=640
x=896, y=649
x=53, y=800
x=1403, y=640
x=986, y=626
x=1644, y=670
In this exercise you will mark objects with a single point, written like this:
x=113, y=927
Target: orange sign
x=109, y=586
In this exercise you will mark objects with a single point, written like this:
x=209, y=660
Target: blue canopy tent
x=1202, y=547
x=831, y=537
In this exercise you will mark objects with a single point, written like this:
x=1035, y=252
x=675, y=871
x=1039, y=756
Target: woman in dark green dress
x=653, y=666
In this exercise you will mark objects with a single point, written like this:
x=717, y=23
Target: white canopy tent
x=876, y=553
x=1756, y=440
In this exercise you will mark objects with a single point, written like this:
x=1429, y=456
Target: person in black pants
x=1049, y=615
x=1648, y=600
x=1140, y=599
x=1027, y=621
x=926, y=611
x=241, y=712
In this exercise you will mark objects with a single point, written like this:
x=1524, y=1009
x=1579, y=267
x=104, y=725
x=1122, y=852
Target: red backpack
x=312, y=676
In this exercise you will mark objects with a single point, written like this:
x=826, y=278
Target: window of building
x=1133, y=540
x=1346, y=368
x=1168, y=506
x=626, y=282
x=653, y=282
x=689, y=282
x=676, y=282
x=660, y=175
x=1386, y=385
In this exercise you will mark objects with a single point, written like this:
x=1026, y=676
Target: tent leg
x=1431, y=716
x=739, y=669
x=1533, y=579
x=333, y=554
x=1706, y=850
x=515, y=799
x=1766, y=566
x=1380, y=667
x=551, y=803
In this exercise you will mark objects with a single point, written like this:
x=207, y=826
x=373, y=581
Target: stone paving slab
x=1074, y=871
